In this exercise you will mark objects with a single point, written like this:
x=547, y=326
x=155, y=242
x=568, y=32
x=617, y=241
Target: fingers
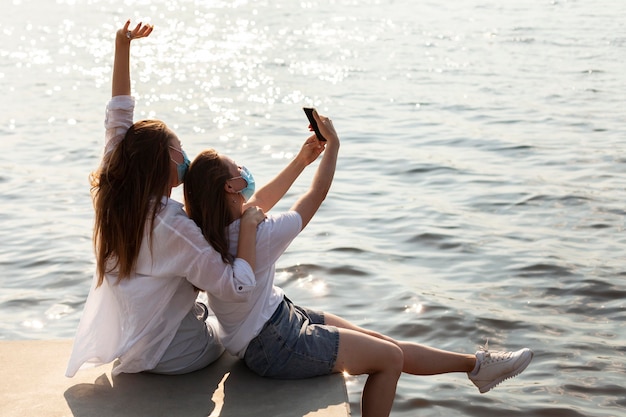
x=321, y=119
x=255, y=214
x=146, y=30
x=139, y=31
x=325, y=125
x=313, y=142
x=313, y=145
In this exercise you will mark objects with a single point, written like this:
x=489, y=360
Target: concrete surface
x=33, y=384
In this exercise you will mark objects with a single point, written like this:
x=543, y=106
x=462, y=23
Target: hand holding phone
x=309, y=114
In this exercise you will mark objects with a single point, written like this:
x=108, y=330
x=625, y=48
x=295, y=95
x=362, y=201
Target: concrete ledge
x=33, y=384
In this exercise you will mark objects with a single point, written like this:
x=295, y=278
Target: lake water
x=479, y=193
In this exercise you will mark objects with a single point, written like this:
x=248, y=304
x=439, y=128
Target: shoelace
x=488, y=358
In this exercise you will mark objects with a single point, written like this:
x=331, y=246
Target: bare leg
x=425, y=360
x=418, y=359
x=360, y=353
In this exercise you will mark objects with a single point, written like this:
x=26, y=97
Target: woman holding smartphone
x=275, y=337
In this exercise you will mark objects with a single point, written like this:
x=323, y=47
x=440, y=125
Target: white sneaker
x=495, y=367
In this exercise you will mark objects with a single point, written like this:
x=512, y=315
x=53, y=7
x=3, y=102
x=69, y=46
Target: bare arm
x=309, y=203
x=246, y=244
x=120, y=85
x=268, y=195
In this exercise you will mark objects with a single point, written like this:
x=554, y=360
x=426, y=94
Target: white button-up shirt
x=136, y=319
x=240, y=322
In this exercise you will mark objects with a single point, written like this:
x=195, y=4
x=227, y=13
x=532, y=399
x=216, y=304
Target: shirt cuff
x=121, y=102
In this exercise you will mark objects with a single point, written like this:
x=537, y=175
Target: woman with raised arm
x=278, y=339
x=151, y=259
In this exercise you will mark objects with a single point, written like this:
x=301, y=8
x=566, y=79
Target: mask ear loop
x=231, y=191
x=236, y=178
x=229, y=188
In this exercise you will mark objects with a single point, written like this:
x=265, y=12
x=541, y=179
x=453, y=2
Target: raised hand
x=326, y=127
x=120, y=85
x=311, y=149
x=140, y=31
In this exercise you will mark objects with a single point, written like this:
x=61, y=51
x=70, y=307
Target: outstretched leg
x=485, y=369
x=417, y=359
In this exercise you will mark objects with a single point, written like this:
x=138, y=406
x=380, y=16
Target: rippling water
x=480, y=187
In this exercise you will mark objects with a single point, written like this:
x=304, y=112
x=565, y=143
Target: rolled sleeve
x=243, y=274
x=230, y=282
x=118, y=119
x=180, y=248
x=121, y=102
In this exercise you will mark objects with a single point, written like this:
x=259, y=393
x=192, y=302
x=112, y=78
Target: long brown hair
x=127, y=190
x=206, y=200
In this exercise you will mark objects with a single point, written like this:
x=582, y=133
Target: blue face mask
x=249, y=179
x=181, y=168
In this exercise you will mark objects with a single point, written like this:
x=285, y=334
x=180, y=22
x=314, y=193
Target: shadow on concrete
x=226, y=389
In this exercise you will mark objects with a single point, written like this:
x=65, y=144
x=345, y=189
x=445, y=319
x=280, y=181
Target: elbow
x=324, y=194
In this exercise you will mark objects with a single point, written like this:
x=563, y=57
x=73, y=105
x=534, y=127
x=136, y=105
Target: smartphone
x=309, y=114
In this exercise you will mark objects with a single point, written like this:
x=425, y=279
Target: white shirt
x=136, y=319
x=241, y=322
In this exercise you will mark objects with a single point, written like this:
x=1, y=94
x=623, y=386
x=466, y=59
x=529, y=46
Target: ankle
x=473, y=364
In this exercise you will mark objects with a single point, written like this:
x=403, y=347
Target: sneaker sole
x=511, y=374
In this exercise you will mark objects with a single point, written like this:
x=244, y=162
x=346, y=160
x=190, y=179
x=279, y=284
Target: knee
x=395, y=359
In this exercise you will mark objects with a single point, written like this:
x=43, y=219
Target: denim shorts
x=294, y=343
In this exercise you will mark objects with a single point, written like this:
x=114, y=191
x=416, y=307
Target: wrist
x=300, y=162
x=248, y=225
x=121, y=37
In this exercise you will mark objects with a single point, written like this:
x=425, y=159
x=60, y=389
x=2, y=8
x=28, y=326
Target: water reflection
x=479, y=189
